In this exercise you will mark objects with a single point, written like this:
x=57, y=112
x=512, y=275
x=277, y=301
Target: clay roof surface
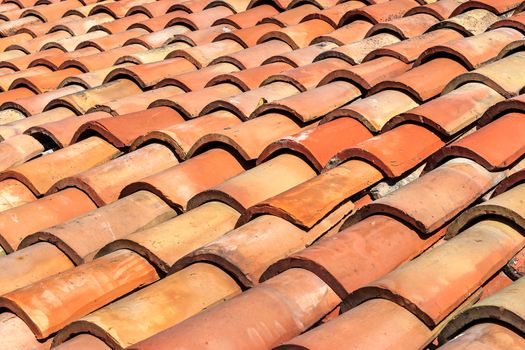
x=262, y=174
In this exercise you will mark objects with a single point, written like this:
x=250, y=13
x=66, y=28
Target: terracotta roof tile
x=501, y=150
x=181, y=137
x=55, y=209
x=376, y=110
x=470, y=102
x=278, y=299
x=500, y=307
x=213, y=284
x=67, y=161
x=300, y=158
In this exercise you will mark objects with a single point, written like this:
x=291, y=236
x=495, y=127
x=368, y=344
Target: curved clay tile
x=91, y=79
x=409, y=50
x=69, y=44
x=440, y=9
x=32, y=264
x=438, y=73
x=219, y=162
x=476, y=50
x=181, y=137
x=17, y=150
x=18, y=336
x=7, y=79
x=376, y=150
x=54, y=62
x=155, y=24
x=258, y=243
x=498, y=7
x=18, y=123
x=245, y=104
x=502, y=76
x=248, y=18
x=104, y=280
x=235, y=5
x=152, y=55
x=79, y=26
x=149, y=74
x=248, y=37
x=346, y=34
x=354, y=53
x=248, y=139
x=104, y=183
x=153, y=9
x=363, y=327
x=159, y=38
x=48, y=13
x=82, y=11
x=52, y=210
x=279, y=4
x=191, y=104
x=134, y=102
x=481, y=251
x=166, y=243
x=254, y=57
x=120, y=24
x=177, y=297
x=299, y=35
x=312, y=104
x=338, y=186
x=516, y=21
x=496, y=152
x=471, y=102
x=370, y=73
x=13, y=95
x=190, y=6
x=282, y=308
x=85, y=234
x=44, y=82
x=8, y=28
x=23, y=62
x=377, y=13
x=198, y=80
x=504, y=207
x=320, y=143
x=515, y=178
x=333, y=14
x=200, y=20
x=122, y=130
x=300, y=57
x=469, y=180
x=502, y=308
x=112, y=41
x=309, y=76
x=405, y=27
x=469, y=23
x=82, y=101
x=488, y=335
x=384, y=243
x=202, y=55
x=376, y=110
x=32, y=105
x=292, y=16
x=202, y=36
x=515, y=46
x=252, y=78
x=117, y=9
x=60, y=133
x=39, y=174
x=239, y=192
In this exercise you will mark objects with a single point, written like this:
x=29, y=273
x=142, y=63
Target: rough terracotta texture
x=290, y=174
